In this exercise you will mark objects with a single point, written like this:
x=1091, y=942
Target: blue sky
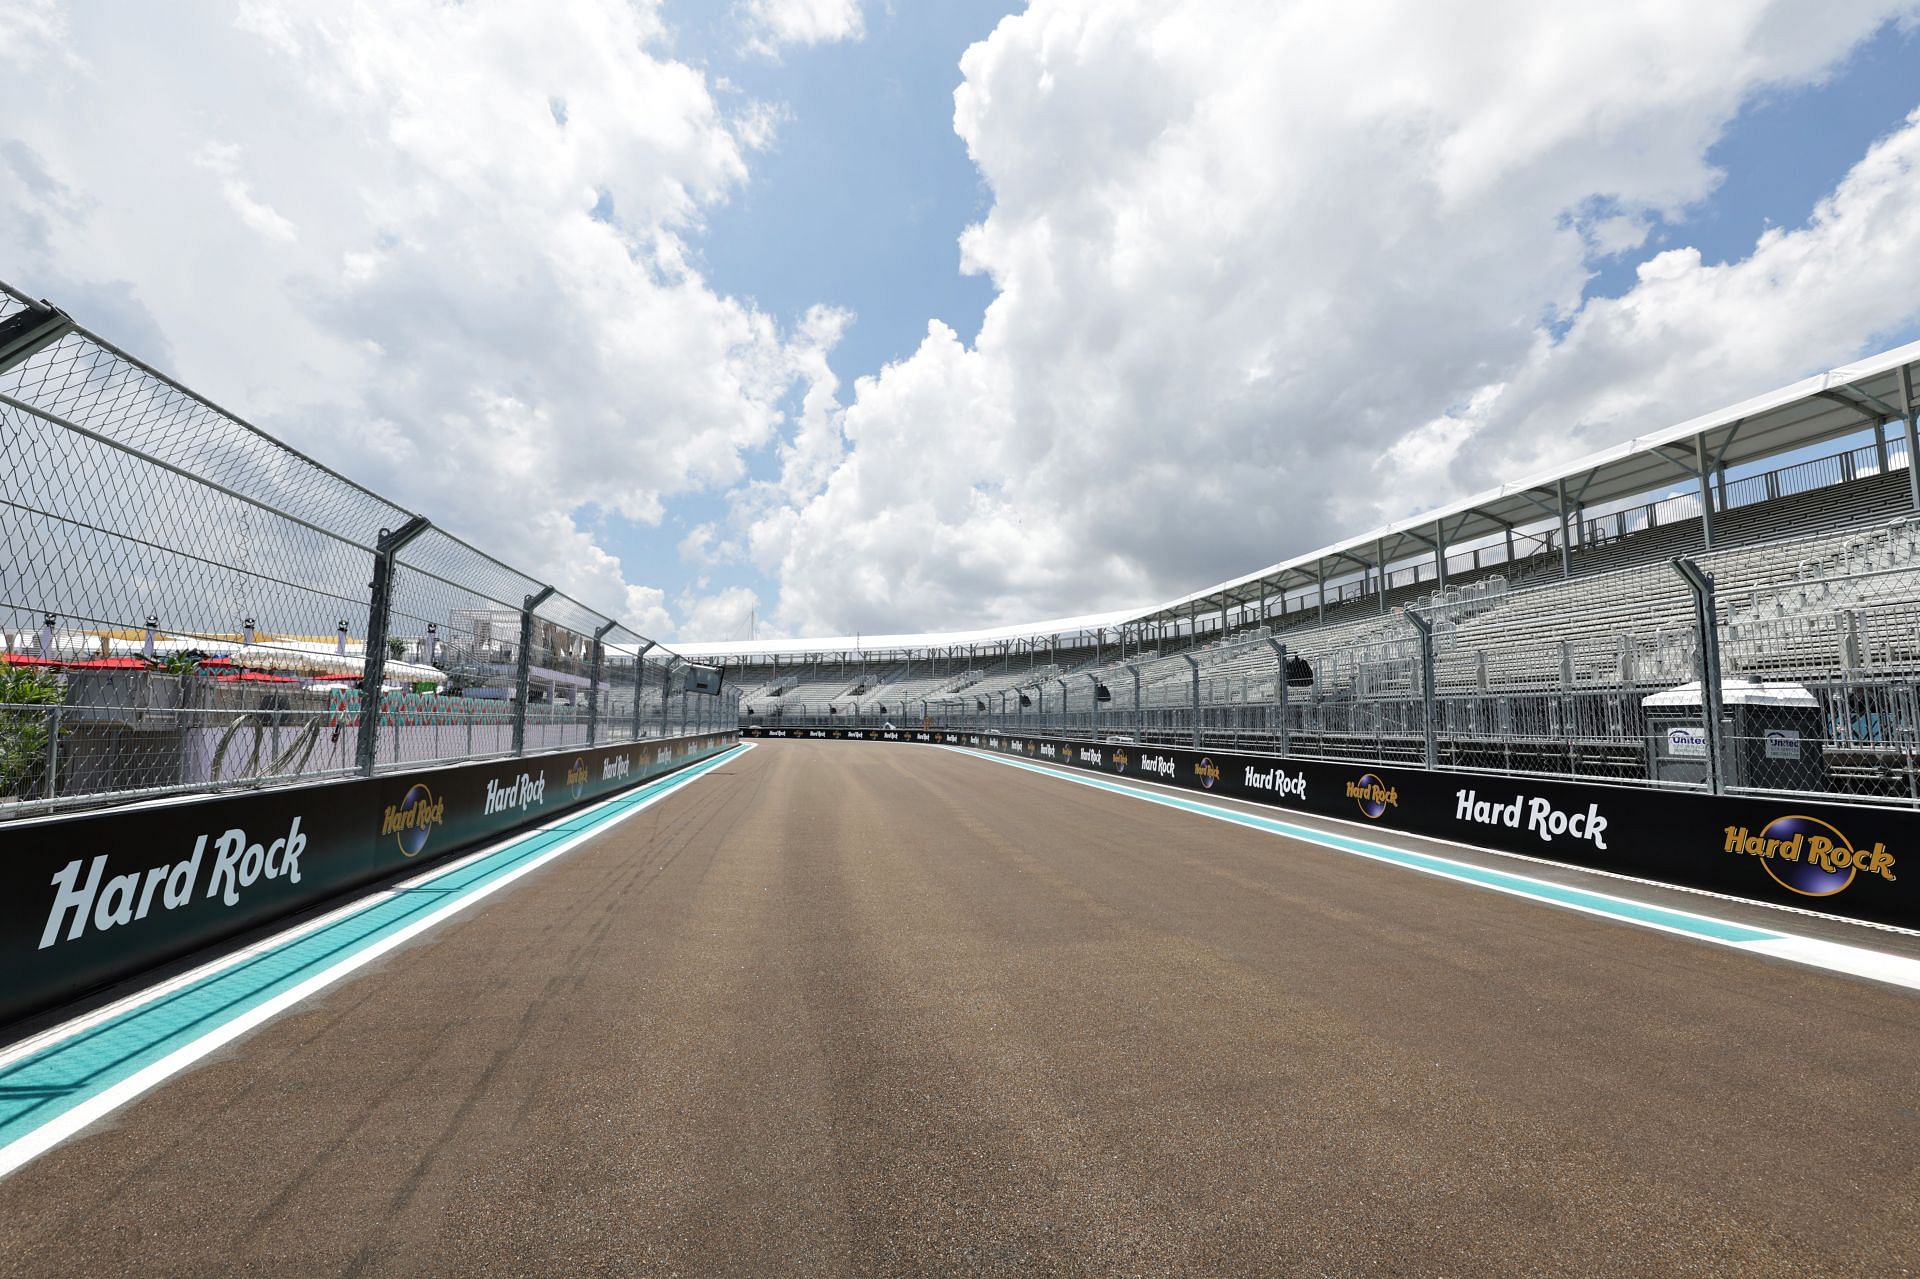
x=1786, y=149
x=861, y=201
x=1247, y=278
x=859, y=204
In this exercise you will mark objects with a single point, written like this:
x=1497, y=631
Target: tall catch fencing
x=189, y=604
x=1808, y=650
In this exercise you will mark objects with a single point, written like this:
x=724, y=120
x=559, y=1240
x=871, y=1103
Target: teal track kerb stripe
x=1522, y=885
x=44, y=1085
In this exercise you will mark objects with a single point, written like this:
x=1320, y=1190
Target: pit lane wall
x=89, y=899
x=1853, y=861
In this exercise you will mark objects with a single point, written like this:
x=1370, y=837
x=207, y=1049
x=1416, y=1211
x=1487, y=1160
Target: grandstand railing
x=188, y=604
x=1595, y=678
x=1537, y=551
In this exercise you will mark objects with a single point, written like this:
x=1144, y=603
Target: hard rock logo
x=1373, y=796
x=1807, y=856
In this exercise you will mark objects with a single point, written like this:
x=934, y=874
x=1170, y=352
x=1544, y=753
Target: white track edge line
x=64, y=1030
x=54, y=1034
x=1730, y=898
x=1811, y=952
x=32, y=1144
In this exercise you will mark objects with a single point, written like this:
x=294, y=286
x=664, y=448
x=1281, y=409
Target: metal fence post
x=639, y=683
x=523, y=668
x=1910, y=424
x=593, y=685
x=52, y=786
x=1194, y=670
x=1139, y=716
x=1286, y=728
x=1425, y=628
x=374, y=662
x=666, y=692
x=1707, y=642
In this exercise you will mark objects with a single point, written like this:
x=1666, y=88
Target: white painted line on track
x=1855, y=961
x=1871, y=925
x=71, y=1121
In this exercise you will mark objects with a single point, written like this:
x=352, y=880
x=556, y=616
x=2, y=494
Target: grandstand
x=1555, y=606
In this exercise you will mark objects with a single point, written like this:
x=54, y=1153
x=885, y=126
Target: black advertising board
x=94, y=898
x=1850, y=860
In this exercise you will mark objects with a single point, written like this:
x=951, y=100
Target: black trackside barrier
x=1849, y=860
x=89, y=899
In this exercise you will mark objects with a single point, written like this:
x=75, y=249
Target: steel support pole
x=1911, y=421
x=1707, y=634
x=666, y=692
x=1706, y=490
x=1566, y=552
x=1281, y=696
x=1425, y=628
x=593, y=684
x=373, y=673
x=522, y=669
x=1194, y=673
x=1440, y=553
x=639, y=683
x=1380, y=555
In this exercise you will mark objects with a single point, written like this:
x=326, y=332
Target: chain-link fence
x=1811, y=659
x=190, y=604
x=1812, y=688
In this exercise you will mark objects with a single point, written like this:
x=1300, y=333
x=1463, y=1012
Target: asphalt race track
x=840, y=1008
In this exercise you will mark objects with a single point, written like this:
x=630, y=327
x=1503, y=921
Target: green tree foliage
x=24, y=726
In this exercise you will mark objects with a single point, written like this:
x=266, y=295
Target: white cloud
x=1246, y=255
x=728, y=613
x=443, y=246
x=771, y=24
x=1264, y=274
x=1691, y=336
x=224, y=162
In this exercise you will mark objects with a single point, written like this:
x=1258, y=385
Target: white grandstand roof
x=1876, y=390
x=1828, y=405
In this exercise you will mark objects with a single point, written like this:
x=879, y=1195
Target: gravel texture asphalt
x=848, y=1009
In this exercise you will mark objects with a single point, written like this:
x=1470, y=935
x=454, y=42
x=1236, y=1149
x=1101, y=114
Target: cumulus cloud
x=724, y=614
x=1691, y=336
x=444, y=246
x=771, y=24
x=1263, y=273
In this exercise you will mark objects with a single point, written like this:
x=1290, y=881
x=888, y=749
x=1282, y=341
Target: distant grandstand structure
x=1563, y=641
